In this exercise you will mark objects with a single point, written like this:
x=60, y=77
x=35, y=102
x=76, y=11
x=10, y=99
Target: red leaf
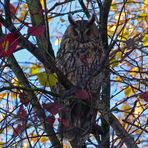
x=144, y=96
x=12, y=9
x=18, y=130
x=82, y=94
x=22, y=113
x=53, y=108
x=23, y=100
x=50, y=120
x=64, y=122
x=8, y=44
x=36, y=31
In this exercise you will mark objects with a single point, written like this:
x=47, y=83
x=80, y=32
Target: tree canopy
x=30, y=35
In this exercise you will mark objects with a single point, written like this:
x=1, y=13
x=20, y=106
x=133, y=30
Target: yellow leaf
x=118, y=55
x=138, y=131
x=51, y=80
x=42, y=4
x=57, y=42
x=145, y=4
x=13, y=96
x=138, y=108
x=118, y=79
x=128, y=91
x=34, y=69
x=22, y=15
x=114, y=6
x=43, y=139
x=114, y=62
x=15, y=81
x=143, y=15
x=126, y=108
x=120, y=16
x=42, y=79
x=25, y=6
x=25, y=145
x=134, y=71
x=49, y=19
x=1, y=145
x=5, y=45
x=145, y=40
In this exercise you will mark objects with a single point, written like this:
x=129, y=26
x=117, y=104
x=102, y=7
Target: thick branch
x=33, y=100
x=114, y=122
x=47, y=60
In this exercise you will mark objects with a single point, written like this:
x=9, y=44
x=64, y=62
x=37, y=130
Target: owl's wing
x=65, y=60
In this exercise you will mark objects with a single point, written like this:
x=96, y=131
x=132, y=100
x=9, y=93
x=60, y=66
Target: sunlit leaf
x=42, y=4
x=138, y=124
x=22, y=15
x=114, y=62
x=126, y=108
x=8, y=45
x=145, y=4
x=25, y=6
x=134, y=71
x=143, y=14
x=118, y=79
x=128, y=91
x=49, y=19
x=43, y=139
x=34, y=69
x=118, y=55
x=57, y=42
x=145, y=40
x=113, y=6
x=13, y=95
x=15, y=81
x=138, y=108
x=2, y=95
x=2, y=144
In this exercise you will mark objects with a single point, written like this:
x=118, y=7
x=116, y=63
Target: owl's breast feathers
x=78, y=60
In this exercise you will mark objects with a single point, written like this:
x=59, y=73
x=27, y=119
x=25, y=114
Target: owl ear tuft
x=71, y=20
x=91, y=20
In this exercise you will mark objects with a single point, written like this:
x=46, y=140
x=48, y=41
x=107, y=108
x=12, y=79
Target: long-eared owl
x=78, y=58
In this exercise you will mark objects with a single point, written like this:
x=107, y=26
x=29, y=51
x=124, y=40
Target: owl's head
x=82, y=30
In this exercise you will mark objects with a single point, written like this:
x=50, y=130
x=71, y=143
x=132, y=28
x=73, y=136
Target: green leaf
x=62, y=20
x=51, y=80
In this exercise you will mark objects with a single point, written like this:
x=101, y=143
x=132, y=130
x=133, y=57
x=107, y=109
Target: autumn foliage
x=30, y=35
